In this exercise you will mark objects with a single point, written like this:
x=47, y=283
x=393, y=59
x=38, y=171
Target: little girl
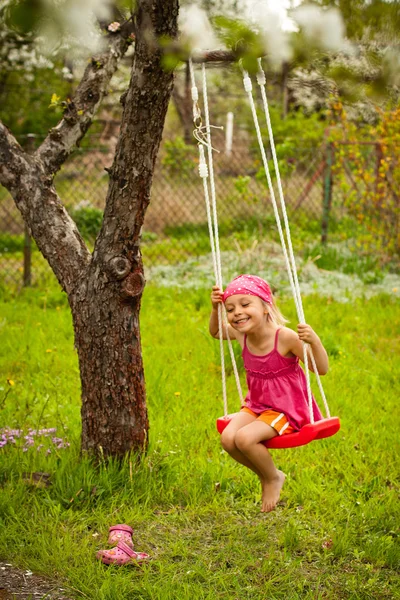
x=276, y=402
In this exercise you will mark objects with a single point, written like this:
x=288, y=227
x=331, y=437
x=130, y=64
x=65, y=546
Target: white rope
x=212, y=180
x=203, y=171
x=291, y=267
x=248, y=86
x=212, y=221
x=261, y=80
x=216, y=235
x=203, y=135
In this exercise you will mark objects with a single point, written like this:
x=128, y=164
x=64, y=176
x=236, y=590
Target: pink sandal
x=121, y=555
x=120, y=533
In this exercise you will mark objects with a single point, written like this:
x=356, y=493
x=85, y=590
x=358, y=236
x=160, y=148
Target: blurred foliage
x=88, y=220
x=297, y=125
x=24, y=105
x=375, y=17
x=179, y=158
x=23, y=16
x=239, y=37
x=26, y=16
x=367, y=169
x=11, y=243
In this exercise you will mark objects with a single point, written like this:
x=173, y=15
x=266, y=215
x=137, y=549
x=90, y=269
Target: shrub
x=88, y=220
x=179, y=158
x=11, y=243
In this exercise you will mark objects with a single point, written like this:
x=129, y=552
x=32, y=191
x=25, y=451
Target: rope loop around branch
x=201, y=135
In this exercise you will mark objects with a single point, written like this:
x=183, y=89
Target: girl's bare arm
x=293, y=343
x=308, y=335
x=216, y=300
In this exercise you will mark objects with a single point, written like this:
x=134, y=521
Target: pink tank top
x=279, y=383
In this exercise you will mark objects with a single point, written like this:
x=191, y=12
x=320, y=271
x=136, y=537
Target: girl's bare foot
x=271, y=491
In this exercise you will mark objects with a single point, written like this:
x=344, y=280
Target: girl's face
x=245, y=313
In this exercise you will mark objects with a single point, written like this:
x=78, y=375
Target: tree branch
x=54, y=231
x=220, y=56
x=145, y=107
x=29, y=178
x=79, y=112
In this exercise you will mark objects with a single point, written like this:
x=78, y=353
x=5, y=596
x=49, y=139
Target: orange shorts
x=273, y=418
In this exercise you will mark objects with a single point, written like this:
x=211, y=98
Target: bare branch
x=29, y=178
x=80, y=111
x=51, y=226
x=220, y=56
x=13, y=159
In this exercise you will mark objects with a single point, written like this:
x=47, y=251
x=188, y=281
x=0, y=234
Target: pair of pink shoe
x=123, y=553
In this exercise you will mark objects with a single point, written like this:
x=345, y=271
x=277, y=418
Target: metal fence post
x=327, y=194
x=27, y=275
x=27, y=259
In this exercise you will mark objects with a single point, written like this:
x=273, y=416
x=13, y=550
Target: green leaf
x=24, y=15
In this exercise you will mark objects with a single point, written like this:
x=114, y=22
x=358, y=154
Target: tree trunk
x=104, y=289
x=106, y=314
x=107, y=338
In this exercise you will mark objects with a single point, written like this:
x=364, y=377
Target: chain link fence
x=317, y=184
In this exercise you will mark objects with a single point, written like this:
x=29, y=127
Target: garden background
x=335, y=531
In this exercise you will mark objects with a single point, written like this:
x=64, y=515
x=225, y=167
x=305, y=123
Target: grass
x=335, y=534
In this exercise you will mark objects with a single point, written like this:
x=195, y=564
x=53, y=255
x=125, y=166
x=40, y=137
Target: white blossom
x=270, y=23
x=196, y=29
x=325, y=27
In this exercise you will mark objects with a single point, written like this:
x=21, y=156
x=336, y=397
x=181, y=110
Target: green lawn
x=335, y=533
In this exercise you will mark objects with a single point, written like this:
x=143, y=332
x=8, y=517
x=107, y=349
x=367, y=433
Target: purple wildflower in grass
x=14, y=432
x=7, y=436
x=47, y=432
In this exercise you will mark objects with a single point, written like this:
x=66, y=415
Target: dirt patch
x=19, y=584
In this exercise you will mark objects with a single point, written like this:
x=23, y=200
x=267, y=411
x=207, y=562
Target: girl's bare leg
x=228, y=440
x=247, y=441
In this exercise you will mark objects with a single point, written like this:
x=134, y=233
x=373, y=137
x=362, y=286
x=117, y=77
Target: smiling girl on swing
x=276, y=402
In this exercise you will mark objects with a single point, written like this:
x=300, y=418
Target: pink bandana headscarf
x=249, y=285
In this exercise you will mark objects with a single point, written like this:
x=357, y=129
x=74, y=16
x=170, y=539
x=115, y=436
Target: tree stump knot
x=133, y=286
x=119, y=267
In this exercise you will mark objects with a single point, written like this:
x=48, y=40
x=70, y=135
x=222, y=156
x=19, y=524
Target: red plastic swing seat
x=312, y=431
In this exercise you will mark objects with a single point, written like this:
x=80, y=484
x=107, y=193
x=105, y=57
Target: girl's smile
x=244, y=310
x=241, y=321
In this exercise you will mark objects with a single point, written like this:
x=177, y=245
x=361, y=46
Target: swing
x=314, y=429
x=308, y=433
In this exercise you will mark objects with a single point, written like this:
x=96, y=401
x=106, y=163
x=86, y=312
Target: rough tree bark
x=104, y=288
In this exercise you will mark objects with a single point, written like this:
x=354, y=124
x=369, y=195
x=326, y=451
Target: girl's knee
x=243, y=440
x=228, y=440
